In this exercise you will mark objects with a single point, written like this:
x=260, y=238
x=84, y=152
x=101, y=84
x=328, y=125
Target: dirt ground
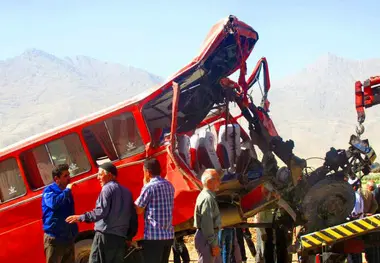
x=189, y=241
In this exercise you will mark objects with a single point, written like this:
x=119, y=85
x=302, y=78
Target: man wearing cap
x=114, y=216
x=156, y=201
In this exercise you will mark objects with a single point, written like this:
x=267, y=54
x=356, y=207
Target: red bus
x=118, y=134
x=158, y=118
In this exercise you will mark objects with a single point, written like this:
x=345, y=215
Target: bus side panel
x=131, y=176
x=85, y=194
x=185, y=195
x=21, y=235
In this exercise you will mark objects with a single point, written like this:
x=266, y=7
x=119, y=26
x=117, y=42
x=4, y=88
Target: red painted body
x=21, y=234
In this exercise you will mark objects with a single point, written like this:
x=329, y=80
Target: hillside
x=316, y=107
x=39, y=91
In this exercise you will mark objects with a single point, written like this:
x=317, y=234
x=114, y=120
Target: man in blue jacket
x=57, y=205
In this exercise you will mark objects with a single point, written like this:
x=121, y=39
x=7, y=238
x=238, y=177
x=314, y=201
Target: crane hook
x=360, y=129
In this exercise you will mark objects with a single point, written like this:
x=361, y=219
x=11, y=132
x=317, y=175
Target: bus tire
x=82, y=250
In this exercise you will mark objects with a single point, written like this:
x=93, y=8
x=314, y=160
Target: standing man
x=226, y=238
x=240, y=233
x=371, y=186
x=113, y=215
x=207, y=219
x=371, y=206
x=57, y=204
x=180, y=251
x=376, y=193
x=264, y=237
x=156, y=201
x=369, y=201
x=357, y=213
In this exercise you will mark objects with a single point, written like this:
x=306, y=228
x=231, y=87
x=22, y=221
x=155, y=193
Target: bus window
x=115, y=138
x=69, y=150
x=44, y=164
x=11, y=183
x=99, y=143
x=125, y=135
x=40, y=161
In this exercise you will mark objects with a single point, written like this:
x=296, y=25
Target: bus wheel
x=82, y=250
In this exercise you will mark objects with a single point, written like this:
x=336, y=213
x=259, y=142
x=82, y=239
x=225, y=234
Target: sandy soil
x=189, y=241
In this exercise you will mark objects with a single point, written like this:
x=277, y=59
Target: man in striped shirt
x=156, y=201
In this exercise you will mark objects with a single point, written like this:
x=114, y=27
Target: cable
x=316, y=157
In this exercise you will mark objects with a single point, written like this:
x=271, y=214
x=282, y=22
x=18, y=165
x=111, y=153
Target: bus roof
x=75, y=123
x=216, y=43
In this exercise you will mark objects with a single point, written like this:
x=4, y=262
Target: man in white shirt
x=264, y=237
x=357, y=212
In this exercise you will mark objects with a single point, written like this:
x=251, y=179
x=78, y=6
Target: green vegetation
x=374, y=176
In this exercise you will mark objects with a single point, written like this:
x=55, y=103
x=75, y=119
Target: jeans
x=226, y=241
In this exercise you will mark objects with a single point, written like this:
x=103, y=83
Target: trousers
x=107, y=248
x=58, y=251
x=204, y=249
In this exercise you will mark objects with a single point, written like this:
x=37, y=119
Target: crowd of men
x=115, y=220
x=114, y=215
x=367, y=203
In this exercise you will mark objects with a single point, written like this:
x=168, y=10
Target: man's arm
x=101, y=210
x=374, y=205
x=207, y=223
x=143, y=200
x=139, y=210
x=133, y=224
x=53, y=200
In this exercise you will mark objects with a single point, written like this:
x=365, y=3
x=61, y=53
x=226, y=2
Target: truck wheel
x=82, y=250
x=329, y=202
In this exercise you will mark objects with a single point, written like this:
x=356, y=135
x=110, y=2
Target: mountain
x=39, y=91
x=316, y=106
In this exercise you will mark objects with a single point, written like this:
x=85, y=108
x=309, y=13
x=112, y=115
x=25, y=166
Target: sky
x=163, y=36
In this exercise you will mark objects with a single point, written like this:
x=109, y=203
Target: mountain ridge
x=320, y=104
x=315, y=107
x=58, y=90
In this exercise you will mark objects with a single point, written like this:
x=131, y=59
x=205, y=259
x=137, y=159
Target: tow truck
x=201, y=132
x=332, y=244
